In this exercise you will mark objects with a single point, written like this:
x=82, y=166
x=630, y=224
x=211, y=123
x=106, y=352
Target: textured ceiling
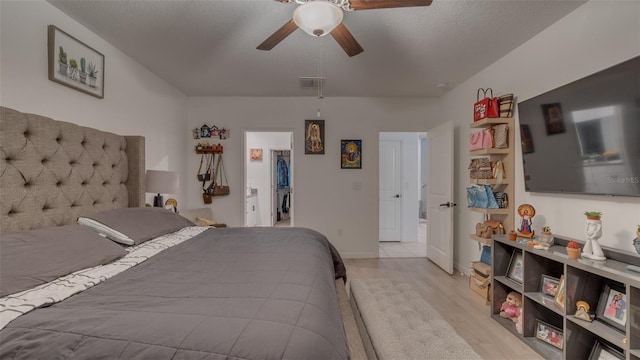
x=208, y=48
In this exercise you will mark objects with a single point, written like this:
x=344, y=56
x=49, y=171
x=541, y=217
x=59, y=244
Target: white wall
x=136, y=102
x=595, y=36
x=340, y=203
x=259, y=173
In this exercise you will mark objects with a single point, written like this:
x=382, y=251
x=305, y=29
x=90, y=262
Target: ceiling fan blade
x=278, y=36
x=346, y=40
x=383, y=4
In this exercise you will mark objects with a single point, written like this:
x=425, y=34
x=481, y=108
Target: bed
x=130, y=282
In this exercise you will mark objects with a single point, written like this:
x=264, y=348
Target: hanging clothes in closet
x=283, y=173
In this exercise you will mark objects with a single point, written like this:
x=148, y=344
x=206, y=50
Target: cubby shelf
x=584, y=280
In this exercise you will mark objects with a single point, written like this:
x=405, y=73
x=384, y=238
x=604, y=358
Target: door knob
x=449, y=204
x=397, y=196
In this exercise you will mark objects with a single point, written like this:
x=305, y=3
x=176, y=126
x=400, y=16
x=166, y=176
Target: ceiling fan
x=321, y=17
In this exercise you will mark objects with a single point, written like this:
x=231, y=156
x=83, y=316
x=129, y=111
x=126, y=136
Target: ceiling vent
x=312, y=82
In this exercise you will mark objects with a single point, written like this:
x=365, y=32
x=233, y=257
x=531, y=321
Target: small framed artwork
x=549, y=334
x=549, y=286
x=74, y=64
x=351, y=154
x=255, y=154
x=561, y=293
x=553, y=118
x=602, y=351
x=205, y=131
x=314, y=137
x=515, y=270
x=612, y=306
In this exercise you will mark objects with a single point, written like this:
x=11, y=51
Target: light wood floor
x=465, y=311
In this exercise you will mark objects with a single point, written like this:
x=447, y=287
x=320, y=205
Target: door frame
x=410, y=181
x=245, y=162
x=274, y=186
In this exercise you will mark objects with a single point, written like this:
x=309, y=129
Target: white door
x=440, y=200
x=390, y=190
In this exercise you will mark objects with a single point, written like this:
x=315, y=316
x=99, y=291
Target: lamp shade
x=161, y=182
x=317, y=18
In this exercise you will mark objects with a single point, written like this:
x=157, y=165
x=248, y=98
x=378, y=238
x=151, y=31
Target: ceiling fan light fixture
x=317, y=18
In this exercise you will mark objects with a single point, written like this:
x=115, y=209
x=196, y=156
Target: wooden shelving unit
x=507, y=155
x=585, y=280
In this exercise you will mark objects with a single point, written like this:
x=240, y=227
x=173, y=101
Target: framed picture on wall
x=255, y=154
x=351, y=154
x=74, y=64
x=314, y=137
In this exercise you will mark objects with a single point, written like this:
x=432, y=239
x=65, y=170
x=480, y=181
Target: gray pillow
x=132, y=226
x=34, y=257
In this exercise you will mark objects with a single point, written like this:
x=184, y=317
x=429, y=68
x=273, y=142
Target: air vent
x=312, y=82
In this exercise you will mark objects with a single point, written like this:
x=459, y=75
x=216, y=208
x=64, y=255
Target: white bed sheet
x=14, y=305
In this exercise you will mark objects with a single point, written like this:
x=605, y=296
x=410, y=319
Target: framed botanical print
x=74, y=64
x=351, y=154
x=314, y=137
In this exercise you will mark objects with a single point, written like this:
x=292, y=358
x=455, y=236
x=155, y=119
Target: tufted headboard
x=52, y=171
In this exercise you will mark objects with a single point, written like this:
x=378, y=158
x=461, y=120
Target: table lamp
x=161, y=182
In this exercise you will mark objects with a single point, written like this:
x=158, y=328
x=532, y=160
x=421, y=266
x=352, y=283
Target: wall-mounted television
x=584, y=137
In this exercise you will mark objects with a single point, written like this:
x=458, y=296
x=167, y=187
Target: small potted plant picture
x=92, y=72
x=62, y=61
x=83, y=73
x=573, y=249
x=638, y=231
x=73, y=69
x=593, y=215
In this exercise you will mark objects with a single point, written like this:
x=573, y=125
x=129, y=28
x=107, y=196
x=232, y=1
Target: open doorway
x=269, y=178
x=402, y=194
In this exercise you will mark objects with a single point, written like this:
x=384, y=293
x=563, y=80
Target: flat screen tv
x=584, y=137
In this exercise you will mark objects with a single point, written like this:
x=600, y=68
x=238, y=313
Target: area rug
x=403, y=326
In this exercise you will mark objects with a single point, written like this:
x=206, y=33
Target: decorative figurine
x=582, y=311
x=546, y=237
x=593, y=230
x=527, y=212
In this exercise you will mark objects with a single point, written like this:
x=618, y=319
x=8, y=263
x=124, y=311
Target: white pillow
x=106, y=231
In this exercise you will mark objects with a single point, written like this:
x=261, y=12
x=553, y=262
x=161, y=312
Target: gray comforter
x=236, y=293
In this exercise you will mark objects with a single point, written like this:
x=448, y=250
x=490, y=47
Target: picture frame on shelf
x=549, y=285
x=74, y=64
x=561, y=294
x=515, y=270
x=549, y=334
x=613, y=306
x=603, y=351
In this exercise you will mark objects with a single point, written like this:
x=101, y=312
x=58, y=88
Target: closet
x=281, y=165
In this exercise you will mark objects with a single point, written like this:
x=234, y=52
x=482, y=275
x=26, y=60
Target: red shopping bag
x=487, y=107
